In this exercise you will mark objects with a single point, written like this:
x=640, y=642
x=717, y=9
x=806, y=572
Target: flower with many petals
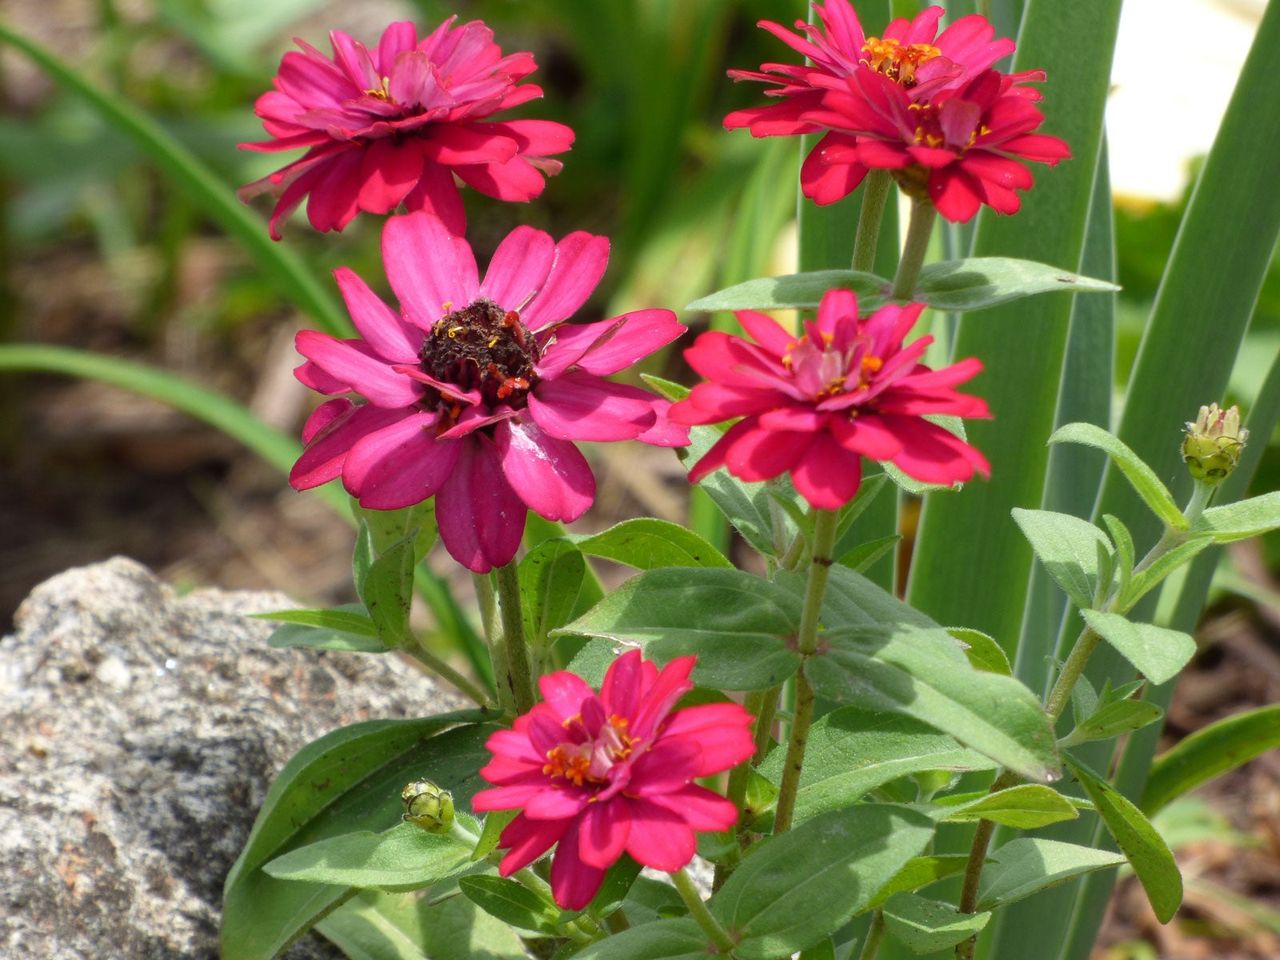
x=608, y=773
x=395, y=123
x=925, y=105
x=813, y=405
x=474, y=391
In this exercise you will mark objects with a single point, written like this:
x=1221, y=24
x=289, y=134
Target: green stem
x=517, y=677
x=497, y=653
x=875, y=933
x=824, y=538
x=764, y=723
x=1200, y=498
x=755, y=704
x=875, y=192
x=440, y=667
x=699, y=912
x=923, y=213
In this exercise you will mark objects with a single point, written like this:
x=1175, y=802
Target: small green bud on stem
x=1211, y=449
x=427, y=806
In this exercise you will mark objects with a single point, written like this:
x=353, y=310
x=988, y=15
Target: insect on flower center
x=588, y=760
x=896, y=60
x=485, y=348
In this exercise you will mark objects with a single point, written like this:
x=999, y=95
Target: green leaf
x=737, y=624
x=1030, y=864
x=922, y=673
x=744, y=505
x=1125, y=554
x=405, y=926
x=1242, y=519
x=853, y=600
x=494, y=824
x=822, y=950
x=794, y=290
x=388, y=593
x=1158, y=653
x=1141, y=477
x=348, y=619
x=983, y=651
x=796, y=887
x=1026, y=807
x=1143, y=846
x=1068, y=548
x=920, y=872
x=550, y=581
x=1145, y=580
x=925, y=926
x=862, y=557
x=362, y=555
x=322, y=630
x=646, y=543
x=980, y=282
x=353, y=775
x=852, y=751
x=512, y=903
x=1210, y=752
x=200, y=185
x=389, y=527
x=675, y=939
x=1113, y=719
x=406, y=857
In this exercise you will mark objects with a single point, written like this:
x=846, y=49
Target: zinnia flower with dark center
x=395, y=124
x=608, y=773
x=813, y=405
x=475, y=390
x=845, y=93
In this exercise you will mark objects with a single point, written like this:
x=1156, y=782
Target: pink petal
x=580, y=261
x=334, y=198
x=603, y=832
x=508, y=771
x=620, y=691
x=322, y=416
x=514, y=745
x=721, y=730
x=612, y=345
x=536, y=138
x=454, y=144
x=867, y=435
x=712, y=402
x=380, y=326
x=761, y=454
x=766, y=331
x=399, y=466
x=581, y=406
x=700, y=808
x=327, y=448
x=519, y=267
x=828, y=475
x=389, y=172
x=671, y=684
x=436, y=194
x=666, y=766
x=665, y=432
x=954, y=194
x=564, y=692
x=714, y=458
x=432, y=271
x=573, y=882
x=509, y=797
x=557, y=803
x=368, y=376
x=398, y=38
x=934, y=455
x=824, y=180
x=550, y=475
x=528, y=840
x=481, y=519
x=659, y=837
x=516, y=180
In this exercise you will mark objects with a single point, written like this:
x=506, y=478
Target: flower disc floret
x=394, y=124
x=813, y=405
x=475, y=391
x=601, y=774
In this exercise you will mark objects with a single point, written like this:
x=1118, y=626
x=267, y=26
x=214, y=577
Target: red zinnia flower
x=611, y=773
x=394, y=124
x=474, y=391
x=813, y=405
x=922, y=68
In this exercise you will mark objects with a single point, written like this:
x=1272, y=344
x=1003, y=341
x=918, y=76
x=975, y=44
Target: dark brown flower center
x=483, y=348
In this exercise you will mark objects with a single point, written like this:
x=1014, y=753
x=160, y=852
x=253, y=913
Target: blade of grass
x=287, y=273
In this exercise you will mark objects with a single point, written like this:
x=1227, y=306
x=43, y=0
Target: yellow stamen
x=895, y=61
x=871, y=364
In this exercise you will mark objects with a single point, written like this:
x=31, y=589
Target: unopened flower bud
x=1213, y=443
x=427, y=806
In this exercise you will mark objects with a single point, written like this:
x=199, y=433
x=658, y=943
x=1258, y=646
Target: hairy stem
x=517, y=677
x=875, y=193
x=923, y=213
x=824, y=538
x=699, y=912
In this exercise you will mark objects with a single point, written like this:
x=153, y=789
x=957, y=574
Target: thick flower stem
x=497, y=651
x=517, y=676
x=824, y=538
x=438, y=666
x=875, y=193
x=875, y=933
x=698, y=910
x=923, y=213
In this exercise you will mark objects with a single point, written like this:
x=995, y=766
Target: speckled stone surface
x=141, y=730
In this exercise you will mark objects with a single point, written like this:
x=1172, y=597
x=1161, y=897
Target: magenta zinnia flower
x=605, y=774
x=845, y=93
x=394, y=125
x=475, y=390
x=813, y=405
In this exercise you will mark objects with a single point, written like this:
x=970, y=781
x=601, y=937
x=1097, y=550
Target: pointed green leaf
x=920, y=872
x=1144, y=581
x=512, y=903
x=1141, y=477
x=1210, y=752
x=1026, y=807
x=981, y=282
x=925, y=926
x=1145, y=849
x=349, y=619
x=550, y=581
x=404, y=926
x=983, y=651
x=342, y=628
x=1241, y=520
x=795, y=290
x=646, y=543
x=1157, y=652
x=1030, y=864
x=1114, y=719
x=388, y=593
x=675, y=939
x=1068, y=548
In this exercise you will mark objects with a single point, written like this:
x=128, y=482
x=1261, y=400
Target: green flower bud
x=427, y=806
x=1212, y=446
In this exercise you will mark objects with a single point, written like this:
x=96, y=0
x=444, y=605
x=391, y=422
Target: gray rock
x=141, y=730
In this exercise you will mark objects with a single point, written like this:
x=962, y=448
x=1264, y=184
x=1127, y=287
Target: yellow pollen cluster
x=896, y=61
x=573, y=762
x=871, y=364
x=572, y=767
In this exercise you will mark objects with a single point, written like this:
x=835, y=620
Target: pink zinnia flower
x=394, y=125
x=813, y=405
x=923, y=67
x=605, y=774
x=474, y=391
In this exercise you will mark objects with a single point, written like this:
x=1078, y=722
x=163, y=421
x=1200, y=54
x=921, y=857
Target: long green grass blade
x=217, y=199
x=967, y=541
